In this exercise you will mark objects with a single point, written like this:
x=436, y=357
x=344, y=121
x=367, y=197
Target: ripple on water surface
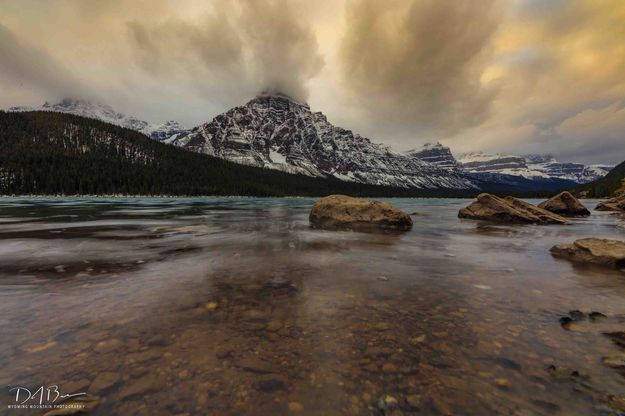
x=235, y=306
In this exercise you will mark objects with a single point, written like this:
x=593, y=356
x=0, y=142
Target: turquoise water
x=235, y=306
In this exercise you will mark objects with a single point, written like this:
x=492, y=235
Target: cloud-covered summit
x=243, y=46
x=515, y=76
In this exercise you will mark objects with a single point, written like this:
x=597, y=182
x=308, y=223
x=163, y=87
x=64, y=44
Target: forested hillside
x=55, y=153
x=605, y=186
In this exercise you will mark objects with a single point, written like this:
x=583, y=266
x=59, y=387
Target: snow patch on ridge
x=278, y=132
x=311, y=145
x=162, y=132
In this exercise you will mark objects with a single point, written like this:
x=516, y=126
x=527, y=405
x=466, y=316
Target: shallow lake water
x=235, y=306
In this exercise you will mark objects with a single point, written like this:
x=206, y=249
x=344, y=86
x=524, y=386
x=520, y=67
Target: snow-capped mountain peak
x=275, y=131
x=533, y=166
x=99, y=111
x=576, y=172
x=434, y=153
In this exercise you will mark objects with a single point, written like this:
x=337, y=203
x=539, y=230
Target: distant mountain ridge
x=277, y=132
x=544, y=170
x=532, y=167
x=435, y=153
x=607, y=186
x=168, y=130
x=577, y=172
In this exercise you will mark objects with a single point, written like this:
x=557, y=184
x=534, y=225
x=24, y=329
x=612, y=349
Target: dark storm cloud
x=249, y=45
x=539, y=76
x=419, y=62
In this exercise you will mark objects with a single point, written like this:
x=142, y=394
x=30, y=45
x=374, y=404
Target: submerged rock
x=508, y=210
x=595, y=316
x=104, y=381
x=139, y=387
x=387, y=402
x=616, y=204
x=256, y=365
x=565, y=204
x=340, y=211
x=618, y=337
x=271, y=382
x=75, y=405
x=503, y=383
x=295, y=407
x=614, y=361
x=574, y=316
x=603, y=252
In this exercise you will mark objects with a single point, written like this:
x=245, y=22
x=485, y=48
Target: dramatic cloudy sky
x=493, y=75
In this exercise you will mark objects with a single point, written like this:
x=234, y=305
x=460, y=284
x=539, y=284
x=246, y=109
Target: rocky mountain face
x=503, y=173
x=277, y=132
x=50, y=153
x=103, y=112
x=497, y=163
x=533, y=167
x=168, y=131
x=435, y=153
x=576, y=172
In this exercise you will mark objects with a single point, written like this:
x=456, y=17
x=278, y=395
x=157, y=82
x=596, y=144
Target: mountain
x=605, y=187
x=519, y=173
x=532, y=167
x=57, y=153
x=167, y=132
x=435, y=153
x=161, y=132
x=576, y=172
x=278, y=132
x=498, y=163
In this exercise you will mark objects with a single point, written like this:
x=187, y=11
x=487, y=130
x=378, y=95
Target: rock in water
x=609, y=253
x=565, y=204
x=78, y=405
x=613, y=204
x=340, y=211
x=508, y=210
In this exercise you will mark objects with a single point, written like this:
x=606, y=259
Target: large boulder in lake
x=566, y=205
x=609, y=253
x=616, y=204
x=508, y=210
x=340, y=211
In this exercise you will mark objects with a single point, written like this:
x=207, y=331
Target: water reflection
x=236, y=306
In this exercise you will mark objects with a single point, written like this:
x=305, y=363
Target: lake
x=235, y=306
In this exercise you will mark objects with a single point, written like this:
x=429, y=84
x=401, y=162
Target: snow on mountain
x=566, y=170
x=278, y=132
x=499, y=163
x=161, y=132
x=435, y=153
x=531, y=167
x=168, y=132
